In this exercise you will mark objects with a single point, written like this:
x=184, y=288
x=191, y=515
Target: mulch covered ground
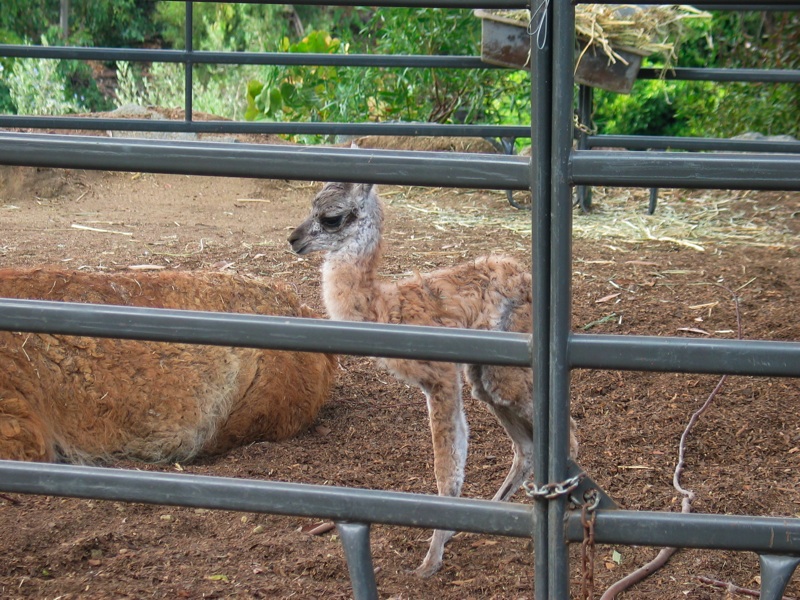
x=676, y=273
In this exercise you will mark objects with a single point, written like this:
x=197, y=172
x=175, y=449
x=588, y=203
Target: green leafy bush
x=161, y=85
x=219, y=26
x=729, y=39
x=695, y=108
x=297, y=91
x=392, y=94
x=752, y=40
x=36, y=86
x=91, y=23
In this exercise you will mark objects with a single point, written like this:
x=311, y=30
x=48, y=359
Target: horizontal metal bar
x=674, y=354
x=648, y=142
x=403, y=3
x=487, y=171
x=258, y=331
x=318, y=128
x=82, y=53
x=707, y=5
x=723, y=4
x=748, y=7
x=245, y=58
x=723, y=75
x=303, y=500
x=777, y=535
x=665, y=169
x=740, y=533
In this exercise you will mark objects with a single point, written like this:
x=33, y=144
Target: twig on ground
x=734, y=589
x=688, y=495
x=9, y=499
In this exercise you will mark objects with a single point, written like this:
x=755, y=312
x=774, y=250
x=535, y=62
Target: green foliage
x=110, y=22
x=658, y=107
x=427, y=94
x=385, y=94
x=219, y=26
x=23, y=19
x=37, y=87
x=6, y=103
x=441, y=95
x=728, y=39
x=733, y=109
x=92, y=22
x=649, y=110
x=757, y=39
x=689, y=108
x=82, y=85
x=297, y=91
x=161, y=85
x=6, y=66
x=216, y=26
x=752, y=40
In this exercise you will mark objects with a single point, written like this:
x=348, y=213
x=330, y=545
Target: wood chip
x=318, y=528
x=693, y=330
x=607, y=298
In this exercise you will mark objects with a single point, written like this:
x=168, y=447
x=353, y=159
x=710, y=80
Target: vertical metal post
x=560, y=287
x=188, y=63
x=541, y=118
x=776, y=571
x=355, y=541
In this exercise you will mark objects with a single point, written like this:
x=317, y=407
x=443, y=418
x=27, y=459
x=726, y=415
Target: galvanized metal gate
x=551, y=173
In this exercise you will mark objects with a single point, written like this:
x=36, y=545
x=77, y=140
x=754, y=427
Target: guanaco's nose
x=296, y=240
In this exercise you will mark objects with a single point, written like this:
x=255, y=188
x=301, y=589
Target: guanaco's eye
x=331, y=221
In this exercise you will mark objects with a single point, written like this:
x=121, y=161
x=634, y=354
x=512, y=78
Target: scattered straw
x=99, y=230
x=692, y=219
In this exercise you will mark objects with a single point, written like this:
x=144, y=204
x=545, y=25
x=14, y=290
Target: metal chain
x=588, y=517
x=589, y=129
x=550, y=491
x=591, y=500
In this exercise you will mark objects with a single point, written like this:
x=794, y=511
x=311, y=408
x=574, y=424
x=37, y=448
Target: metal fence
x=551, y=173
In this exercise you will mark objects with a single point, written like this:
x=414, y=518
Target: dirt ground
x=675, y=273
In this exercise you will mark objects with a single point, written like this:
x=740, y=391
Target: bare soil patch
x=743, y=456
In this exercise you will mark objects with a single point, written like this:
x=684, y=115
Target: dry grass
x=697, y=219
x=644, y=30
x=648, y=30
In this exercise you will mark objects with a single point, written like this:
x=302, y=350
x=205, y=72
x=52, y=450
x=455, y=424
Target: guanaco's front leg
x=450, y=435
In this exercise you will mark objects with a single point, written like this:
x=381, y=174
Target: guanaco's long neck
x=350, y=283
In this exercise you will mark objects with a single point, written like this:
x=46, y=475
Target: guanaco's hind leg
x=522, y=441
x=514, y=418
x=508, y=393
x=449, y=431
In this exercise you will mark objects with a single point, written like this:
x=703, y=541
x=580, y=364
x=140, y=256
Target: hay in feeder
x=644, y=30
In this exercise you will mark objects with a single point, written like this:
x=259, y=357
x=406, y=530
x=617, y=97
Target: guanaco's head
x=343, y=216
